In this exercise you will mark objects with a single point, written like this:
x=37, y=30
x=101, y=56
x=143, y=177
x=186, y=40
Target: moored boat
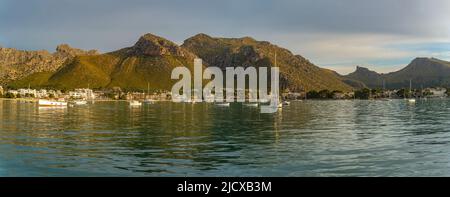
x=43, y=102
x=251, y=104
x=223, y=104
x=149, y=101
x=82, y=102
x=135, y=103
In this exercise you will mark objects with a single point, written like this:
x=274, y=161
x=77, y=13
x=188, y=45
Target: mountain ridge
x=423, y=72
x=151, y=59
x=296, y=72
x=16, y=64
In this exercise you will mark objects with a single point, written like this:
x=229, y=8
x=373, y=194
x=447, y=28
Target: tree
x=363, y=93
x=10, y=95
x=403, y=93
x=123, y=97
x=325, y=94
x=312, y=94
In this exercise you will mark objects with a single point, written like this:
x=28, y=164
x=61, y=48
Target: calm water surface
x=312, y=138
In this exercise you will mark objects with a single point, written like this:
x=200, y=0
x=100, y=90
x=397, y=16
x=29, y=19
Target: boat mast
x=410, y=86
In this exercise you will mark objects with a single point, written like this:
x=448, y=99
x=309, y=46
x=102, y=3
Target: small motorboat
x=135, y=103
x=223, y=104
x=50, y=103
x=149, y=101
x=286, y=103
x=251, y=104
x=82, y=102
x=411, y=100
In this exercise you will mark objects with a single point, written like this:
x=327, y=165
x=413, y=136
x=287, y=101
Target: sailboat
x=279, y=103
x=148, y=100
x=384, y=90
x=411, y=100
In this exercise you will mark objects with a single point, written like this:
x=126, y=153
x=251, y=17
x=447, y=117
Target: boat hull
x=51, y=103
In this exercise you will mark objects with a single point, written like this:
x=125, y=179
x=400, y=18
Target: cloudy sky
x=383, y=35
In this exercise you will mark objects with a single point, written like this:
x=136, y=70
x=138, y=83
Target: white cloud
x=342, y=52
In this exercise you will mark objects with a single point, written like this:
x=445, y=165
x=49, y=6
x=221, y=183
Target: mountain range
x=16, y=64
x=423, y=72
x=149, y=62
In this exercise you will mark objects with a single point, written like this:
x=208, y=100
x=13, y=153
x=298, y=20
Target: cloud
x=341, y=51
x=329, y=32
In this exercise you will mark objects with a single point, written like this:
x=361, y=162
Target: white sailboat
x=411, y=100
x=148, y=100
x=384, y=90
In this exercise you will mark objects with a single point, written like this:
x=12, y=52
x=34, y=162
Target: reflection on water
x=312, y=138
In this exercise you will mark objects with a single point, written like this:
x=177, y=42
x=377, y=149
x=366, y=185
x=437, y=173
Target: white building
x=42, y=93
x=437, y=92
x=14, y=92
x=82, y=94
x=27, y=92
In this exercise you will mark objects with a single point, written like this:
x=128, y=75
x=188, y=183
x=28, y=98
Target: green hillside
x=152, y=59
x=148, y=62
x=35, y=80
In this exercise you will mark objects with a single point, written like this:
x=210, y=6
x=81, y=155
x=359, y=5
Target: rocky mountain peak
x=66, y=50
x=201, y=36
x=153, y=45
x=361, y=69
x=364, y=71
x=16, y=64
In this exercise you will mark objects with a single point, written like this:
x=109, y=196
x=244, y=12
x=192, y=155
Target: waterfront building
x=436, y=92
x=42, y=93
x=13, y=92
x=27, y=92
x=84, y=93
x=293, y=95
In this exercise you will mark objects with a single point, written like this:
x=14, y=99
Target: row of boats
x=63, y=103
x=254, y=104
x=59, y=103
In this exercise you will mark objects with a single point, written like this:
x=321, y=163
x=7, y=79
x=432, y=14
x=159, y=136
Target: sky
x=383, y=35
